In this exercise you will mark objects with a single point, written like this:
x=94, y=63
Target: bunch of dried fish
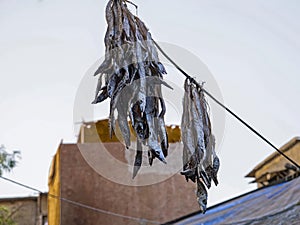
x=200, y=162
x=131, y=75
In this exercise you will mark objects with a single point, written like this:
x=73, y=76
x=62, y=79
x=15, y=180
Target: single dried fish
x=150, y=111
x=138, y=158
x=122, y=109
x=201, y=196
x=197, y=115
x=102, y=96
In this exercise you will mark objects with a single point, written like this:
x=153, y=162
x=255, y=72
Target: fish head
x=202, y=201
x=201, y=196
x=216, y=164
x=141, y=129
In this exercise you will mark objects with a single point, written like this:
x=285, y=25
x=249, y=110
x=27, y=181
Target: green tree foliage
x=5, y=217
x=7, y=160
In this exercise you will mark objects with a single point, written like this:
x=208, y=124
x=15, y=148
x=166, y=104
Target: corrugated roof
x=284, y=148
x=269, y=205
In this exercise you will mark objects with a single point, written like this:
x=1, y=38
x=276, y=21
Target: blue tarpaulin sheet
x=267, y=204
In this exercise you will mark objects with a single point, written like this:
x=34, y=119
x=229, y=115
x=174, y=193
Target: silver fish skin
x=141, y=70
x=216, y=166
x=197, y=128
x=209, y=152
x=142, y=92
x=185, y=166
x=208, y=161
x=99, y=86
x=212, y=162
x=111, y=120
x=159, y=119
x=115, y=86
x=113, y=105
x=138, y=123
x=161, y=68
x=136, y=116
x=198, y=134
x=184, y=119
x=163, y=136
x=110, y=24
x=190, y=142
x=150, y=157
x=126, y=26
x=119, y=19
x=150, y=111
x=102, y=96
x=189, y=160
x=205, y=117
x=202, y=195
x=138, y=158
x=185, y=116
x=187, y=124
x=105, y=67
x=122, y=108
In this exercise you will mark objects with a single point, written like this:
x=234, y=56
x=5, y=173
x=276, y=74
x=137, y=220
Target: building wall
x=24, y=210
x=279, y=162
x=27, y=210
x=161, y=202
x=43, y=209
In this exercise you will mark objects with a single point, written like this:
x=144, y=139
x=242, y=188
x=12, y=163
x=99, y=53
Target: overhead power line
x=192, y=80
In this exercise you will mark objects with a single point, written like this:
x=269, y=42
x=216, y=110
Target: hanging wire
x=81, y=204
x=192, y=80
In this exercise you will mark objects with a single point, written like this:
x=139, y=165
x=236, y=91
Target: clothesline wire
x=80, y=204
x=192, y=80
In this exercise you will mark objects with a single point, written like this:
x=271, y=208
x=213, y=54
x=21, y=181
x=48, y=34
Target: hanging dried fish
x=189, y=162
x=131, y=75
x=202, y=196
x=130, y=60
x=200, y=162
x=138, y=158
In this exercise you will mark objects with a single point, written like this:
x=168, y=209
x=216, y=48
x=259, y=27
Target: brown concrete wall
x=24, y=210
x=160, y=202
x=43, y=204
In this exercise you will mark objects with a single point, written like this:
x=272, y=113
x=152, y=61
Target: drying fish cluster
x=131, y=75
x=200, y=162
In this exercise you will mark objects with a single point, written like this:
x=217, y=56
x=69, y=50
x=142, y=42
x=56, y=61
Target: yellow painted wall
x=54, y=190
x=99, y=132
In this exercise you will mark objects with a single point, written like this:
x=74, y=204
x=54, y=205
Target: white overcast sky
x=252, y=48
